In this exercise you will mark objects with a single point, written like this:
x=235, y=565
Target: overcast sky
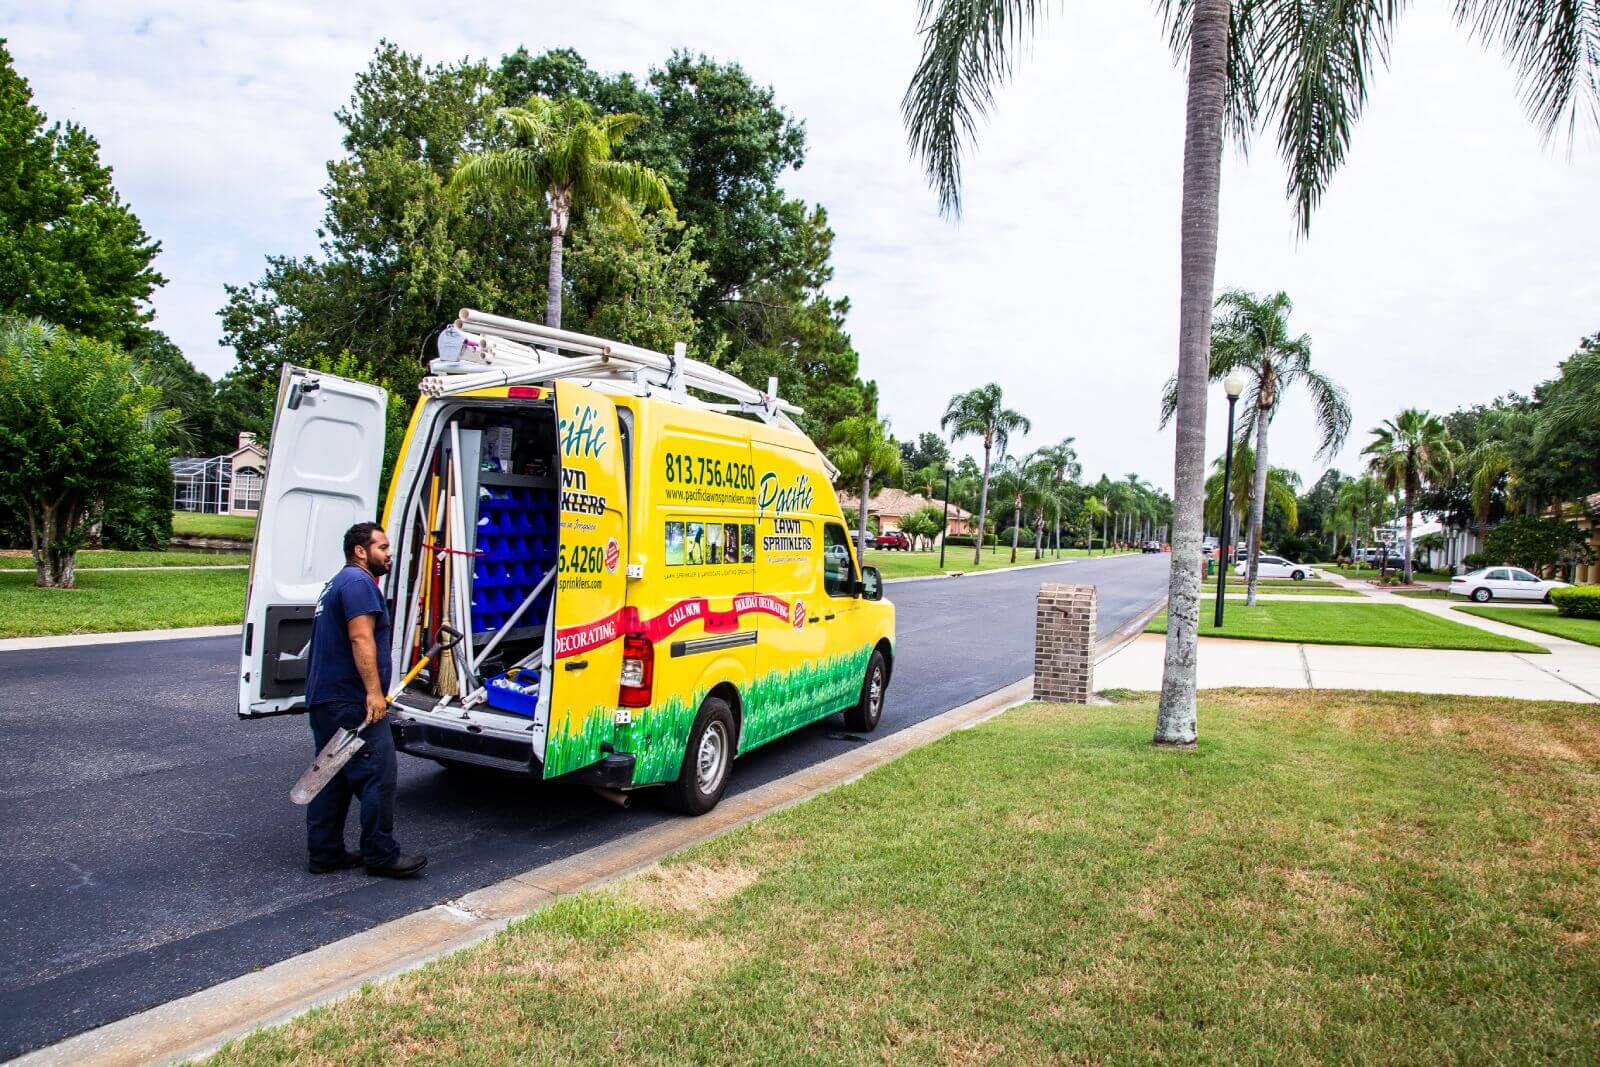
x=1454, y=258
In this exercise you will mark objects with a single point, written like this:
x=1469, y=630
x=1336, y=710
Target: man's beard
x=378, y=570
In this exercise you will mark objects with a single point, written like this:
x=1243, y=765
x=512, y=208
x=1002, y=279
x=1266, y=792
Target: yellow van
x=646, y=556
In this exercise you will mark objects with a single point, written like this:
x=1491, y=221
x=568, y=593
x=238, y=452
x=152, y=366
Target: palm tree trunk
x=1016, y=521
x=1258, y=504
x=983, y=509
x=1104, y=532
x=866, y=486
x=1176, y=722
x=552, y=303
x=1405, y=564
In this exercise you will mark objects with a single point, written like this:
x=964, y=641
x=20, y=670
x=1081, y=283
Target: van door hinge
x=636, y=570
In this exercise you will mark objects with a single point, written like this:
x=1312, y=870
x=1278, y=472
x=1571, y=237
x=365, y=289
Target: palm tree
x=1096, y=509
x=1362, y=503
x=1064, y=467
x=1412, y=448
x=1251, y=334
x=1304, y=65
x=1491, y=463
x=563, y=154
x=862, y=448
x=1011, y=484
x=1280, y=488
x=982, y=413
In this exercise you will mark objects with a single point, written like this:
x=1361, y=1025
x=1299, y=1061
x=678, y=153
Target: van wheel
x=706, y=760
x=863, y=718
x=1481, y=595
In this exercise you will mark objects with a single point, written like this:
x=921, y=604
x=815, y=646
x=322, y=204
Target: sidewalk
x=1570, y=672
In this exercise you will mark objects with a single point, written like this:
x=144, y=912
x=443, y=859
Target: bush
x=1535, y=542
x=966, y=541
x=1300, y=549
x=1579, y=602
x=1473, y=561
x=138, y=513
x=1024, y=537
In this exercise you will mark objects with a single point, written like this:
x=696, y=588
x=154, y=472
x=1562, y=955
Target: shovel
x=346, y=743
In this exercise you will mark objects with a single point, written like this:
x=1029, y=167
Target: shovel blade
x=334, y=755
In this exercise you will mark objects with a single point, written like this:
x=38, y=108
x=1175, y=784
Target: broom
x=445, y=681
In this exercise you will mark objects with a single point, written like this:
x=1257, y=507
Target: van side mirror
x=871, y=584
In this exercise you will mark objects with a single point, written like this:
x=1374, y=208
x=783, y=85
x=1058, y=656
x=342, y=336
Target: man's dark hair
x=359, y=536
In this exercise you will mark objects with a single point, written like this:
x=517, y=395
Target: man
x=347, y=684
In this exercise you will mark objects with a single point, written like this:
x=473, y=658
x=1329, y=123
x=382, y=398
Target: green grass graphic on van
x=774, y=704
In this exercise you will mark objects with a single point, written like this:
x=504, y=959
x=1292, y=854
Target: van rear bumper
x=477, y=739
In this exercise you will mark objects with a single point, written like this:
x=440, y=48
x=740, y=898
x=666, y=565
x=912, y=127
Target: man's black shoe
x=399, y=867
x=342, y=863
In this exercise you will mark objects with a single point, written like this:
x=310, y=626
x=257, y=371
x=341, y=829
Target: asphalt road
x=150, y=849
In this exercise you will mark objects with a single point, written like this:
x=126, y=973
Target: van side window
x=838, y=574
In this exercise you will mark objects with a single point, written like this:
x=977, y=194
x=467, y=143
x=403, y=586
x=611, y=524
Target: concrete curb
x=198, y=1024
x=119, y=637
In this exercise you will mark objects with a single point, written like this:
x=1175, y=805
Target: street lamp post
x=944, y=535
x=1233, y=385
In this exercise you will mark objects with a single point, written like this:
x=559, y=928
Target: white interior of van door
x=322, y=478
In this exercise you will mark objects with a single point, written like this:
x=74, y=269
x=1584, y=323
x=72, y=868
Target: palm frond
x=635, y=181
x=1314, y=60
x=1331, y=405
x=966, y=52
x=517, y=169
x=1555, y=45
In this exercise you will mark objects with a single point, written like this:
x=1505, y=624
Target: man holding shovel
x=347, y=685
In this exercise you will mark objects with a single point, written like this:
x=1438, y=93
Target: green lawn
x=1330, y=877
x=120, y=600
x=188, y=522
x=1298, y=589
x=1545, y=620
x=91, y=559
x=917, y=564
x=1382, y=625
x=1423, y=594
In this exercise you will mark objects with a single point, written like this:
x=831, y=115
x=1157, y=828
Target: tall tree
x=71, y=252
x=982, y=413
x=862, y=448
x=1304, y=64
x=1251, y=334
x=1412, y=448
x=563, y=157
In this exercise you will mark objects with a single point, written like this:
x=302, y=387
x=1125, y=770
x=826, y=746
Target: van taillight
x=638, y=672
x=524, y=392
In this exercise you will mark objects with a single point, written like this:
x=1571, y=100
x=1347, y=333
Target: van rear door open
x=591, y=579
x=322, y=478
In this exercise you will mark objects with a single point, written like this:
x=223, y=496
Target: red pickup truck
x=894, y=539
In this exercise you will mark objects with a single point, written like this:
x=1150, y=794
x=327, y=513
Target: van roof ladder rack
x=483, y=350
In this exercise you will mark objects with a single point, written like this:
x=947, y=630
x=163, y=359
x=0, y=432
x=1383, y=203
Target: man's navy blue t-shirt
x=331, y=675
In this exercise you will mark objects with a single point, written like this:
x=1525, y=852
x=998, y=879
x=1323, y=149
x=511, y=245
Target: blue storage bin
x=514, y=695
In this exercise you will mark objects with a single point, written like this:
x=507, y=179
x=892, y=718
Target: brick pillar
x=1063, y=644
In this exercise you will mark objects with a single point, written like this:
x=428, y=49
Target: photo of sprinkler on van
x=625, y=538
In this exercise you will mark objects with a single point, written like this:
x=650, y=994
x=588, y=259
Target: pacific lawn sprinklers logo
x=613, y=556
x=583, y=434
x=799, y=614
x=796, y=497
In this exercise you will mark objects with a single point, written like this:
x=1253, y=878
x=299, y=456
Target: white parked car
x=1276, y=567
x=1503, y=583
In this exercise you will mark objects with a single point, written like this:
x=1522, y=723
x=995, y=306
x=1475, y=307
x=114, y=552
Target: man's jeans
x=369, y=776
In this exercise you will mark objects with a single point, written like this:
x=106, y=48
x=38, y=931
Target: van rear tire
x=707, y=760
x=863, y=718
